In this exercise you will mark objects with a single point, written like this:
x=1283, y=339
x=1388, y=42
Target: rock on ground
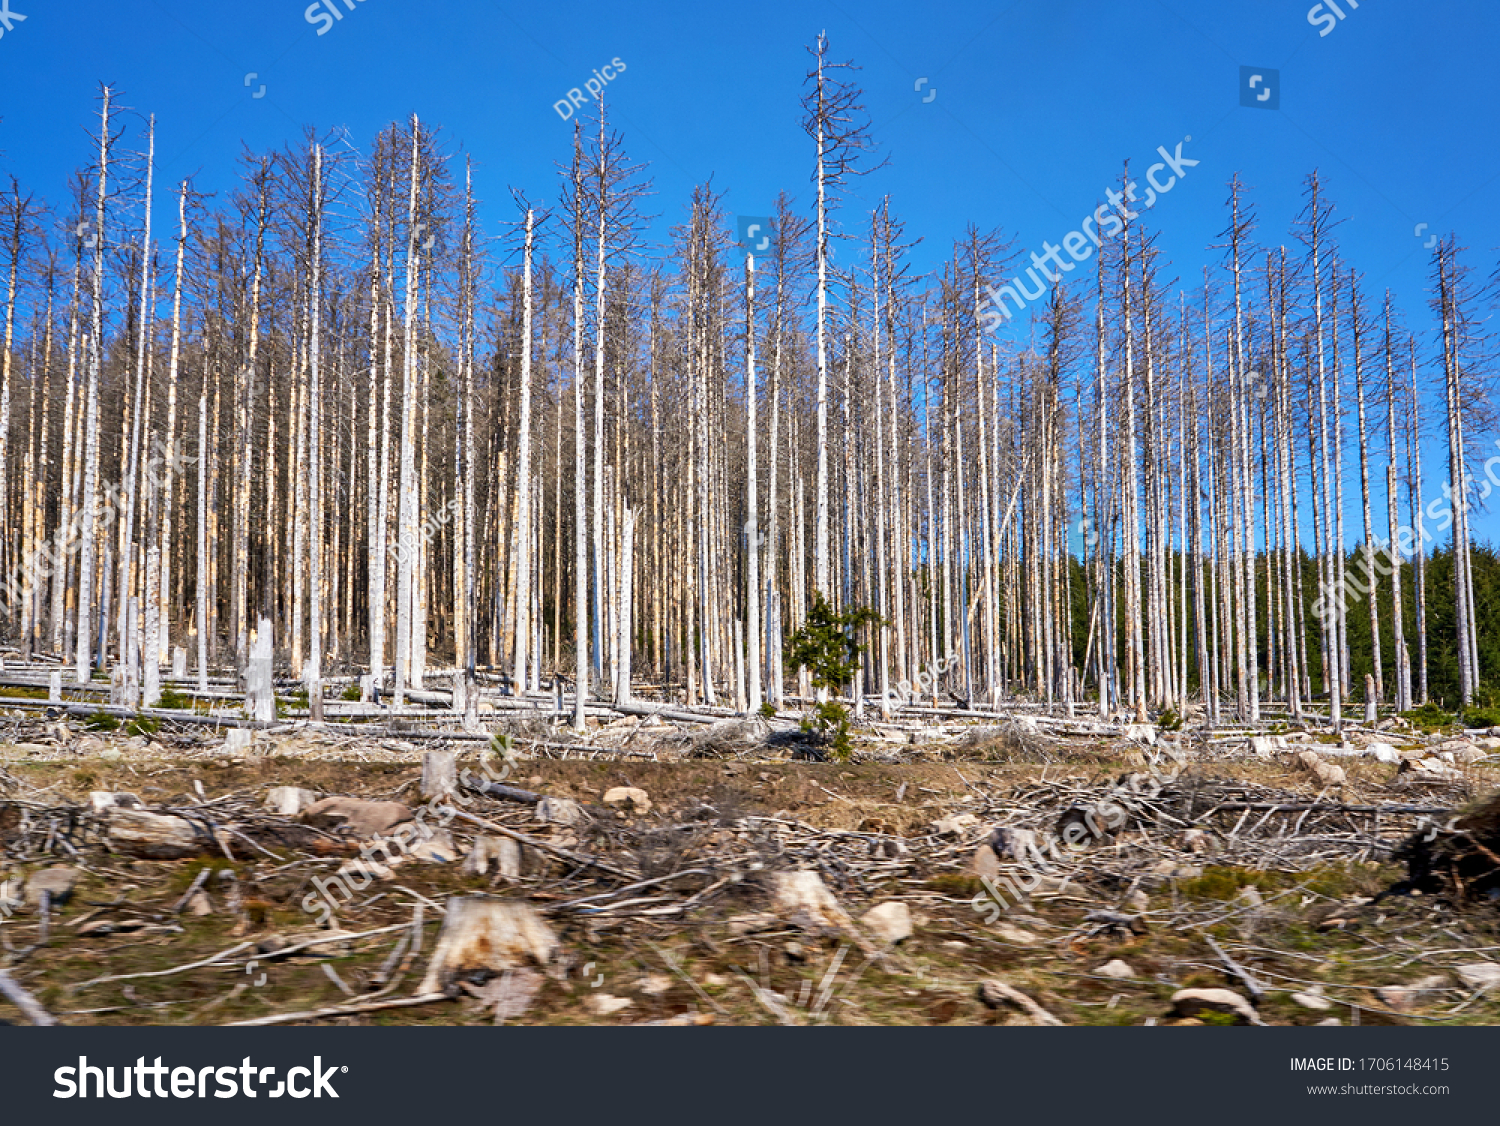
x=1265, y=746
x=105, y=799
x=802, y=899
x=1197, y=840
x=985, y=865
x=1404, y=998
x=955, y=825
x=889, y=923
x=1017, y=844
x=560, y=811
x=1480, y=975
x=654, y=985
x=604, y=1004
x=636, y=796
x=289, y=801
x=1017, y=936
x=1431, y=769
x=57, y=882
x=1191, y=1002
x=1313, y=999
x=1116, y=968
x=1174, y=871
x=741, y=925
x=1326, y=773
x=438, y=847
x=363, y=818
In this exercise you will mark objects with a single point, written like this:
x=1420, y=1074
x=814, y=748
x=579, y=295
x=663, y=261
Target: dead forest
x=332, y=402
x=319, y=496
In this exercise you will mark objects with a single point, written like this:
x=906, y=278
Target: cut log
x=501, y=853
x=260, y=693
x=155, y=836
x=439, y=774
x=18, y=996
x=482, y=938
x=496, y=790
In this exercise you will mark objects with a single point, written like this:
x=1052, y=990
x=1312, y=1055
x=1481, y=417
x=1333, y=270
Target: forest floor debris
x=685, y=874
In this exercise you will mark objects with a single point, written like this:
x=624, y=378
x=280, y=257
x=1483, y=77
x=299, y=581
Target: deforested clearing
x=315, y=874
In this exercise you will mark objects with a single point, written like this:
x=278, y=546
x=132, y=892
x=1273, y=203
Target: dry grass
x=1316, y=923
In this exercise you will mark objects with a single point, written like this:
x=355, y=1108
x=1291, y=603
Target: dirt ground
x=1231, y=871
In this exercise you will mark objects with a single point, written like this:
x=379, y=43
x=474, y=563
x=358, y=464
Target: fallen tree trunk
x=497, y=790
x=18, y=996
x=342, y=1010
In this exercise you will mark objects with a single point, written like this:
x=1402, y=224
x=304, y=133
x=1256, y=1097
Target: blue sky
x=1037, y=103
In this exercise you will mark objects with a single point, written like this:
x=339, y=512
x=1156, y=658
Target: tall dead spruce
x=327, y=400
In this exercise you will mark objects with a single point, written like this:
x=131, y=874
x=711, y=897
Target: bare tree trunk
x=172, y=444
x=314, y=670
x=580, y=468
x=200, y=615
x=522, y=539
x=752, y=500
x=1414, y=499
x=408, y=557
x=132, y=468
x=89, y=501
x=1332, y=548
x=1356, y=322
x=376, y=455
x=626, y=621
x=602, y=204
x=1394, y=552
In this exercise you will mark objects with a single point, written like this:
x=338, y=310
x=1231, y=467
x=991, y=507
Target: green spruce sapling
x=825, y=646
